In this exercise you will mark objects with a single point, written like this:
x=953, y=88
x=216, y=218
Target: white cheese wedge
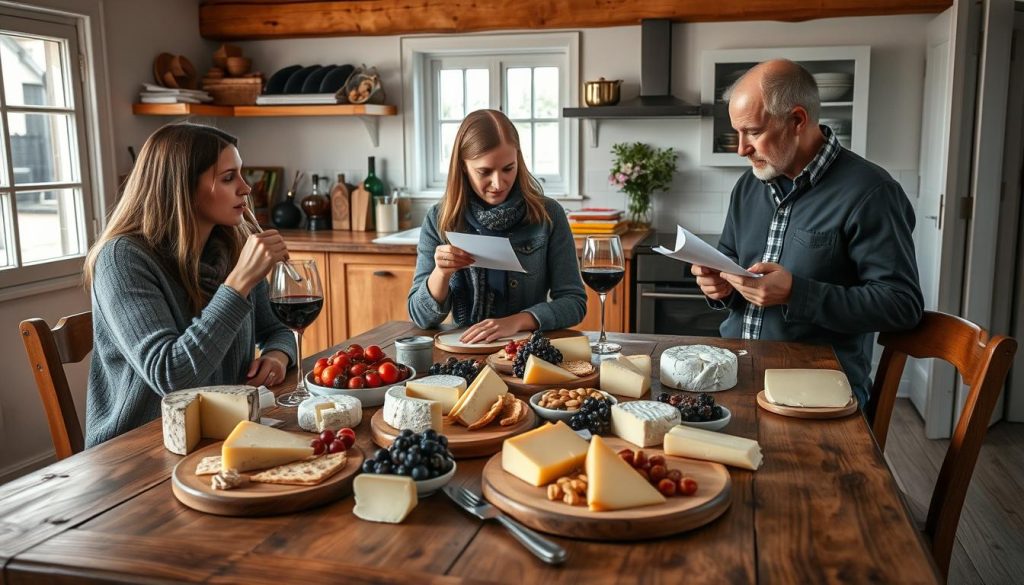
x=622, y=377
x=573, y=348
x=642, y=363
x=210, y=412
x=684, y=441
x=480, y=397
x=807, y=388
x=415, y=414
x=349, y=412
x=613, y=484
x=644, y=422
x=539, y=371
x=383, y=498
x=699, y=368
x=444, y=389
x=544, y=454
x=255, y=446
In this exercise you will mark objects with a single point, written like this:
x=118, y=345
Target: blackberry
x=419, y=455
x=467, y=369
x=664, y=397
x=539, y=346
x=594, y=415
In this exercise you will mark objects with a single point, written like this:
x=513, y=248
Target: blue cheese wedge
x=403, y=412
x=329, y=412
x=210, y=412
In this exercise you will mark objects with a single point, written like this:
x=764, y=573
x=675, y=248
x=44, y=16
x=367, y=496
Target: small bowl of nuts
x=561, y=403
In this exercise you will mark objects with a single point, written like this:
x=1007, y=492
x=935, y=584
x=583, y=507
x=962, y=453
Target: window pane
x=545, y=87
x=477, y=89
x=525, y=130
x=519, y=90
x=49, y=224
x=5, y=231
x=448, y=131
x=44, y=148
x=451, y=94
x=546, y=153
x=33, y=75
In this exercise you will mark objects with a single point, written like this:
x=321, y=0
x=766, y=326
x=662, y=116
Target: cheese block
x=544, y=454
x=620, y=376
x=383, y=498
x=255, y=446
x=573, y=348
x=699, y=368
x=348, y=412
x=415, y=414
x=210, y=412
x=644, y=422
x=444, y=389
x=485, y=372
x=684, y=441
x=613, y=484
x=480, y=397
x=539, y=371
x=807, y=388
x=642, y=363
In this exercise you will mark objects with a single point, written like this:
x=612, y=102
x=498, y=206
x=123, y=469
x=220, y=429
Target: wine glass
x=603, y=268
x=296, y=303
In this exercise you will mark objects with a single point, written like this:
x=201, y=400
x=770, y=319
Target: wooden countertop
x=362, y=242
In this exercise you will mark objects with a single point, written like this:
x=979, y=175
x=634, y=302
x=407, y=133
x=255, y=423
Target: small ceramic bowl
x=712, y=425
x=367, y=396
x=556, y=415
x=427, y=487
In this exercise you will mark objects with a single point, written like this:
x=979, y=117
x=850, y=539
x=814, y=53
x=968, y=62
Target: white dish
x=831, y=94
x=712, y=425
x=563, y=415
x=367, y=396
x=427, y=487
x=451, y=339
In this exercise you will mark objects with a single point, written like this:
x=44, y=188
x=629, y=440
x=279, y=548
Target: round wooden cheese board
x=499, y=363
x=525, y=391
x=257, y=499
x=530, y=505
x=462, y=442
x=806, y=411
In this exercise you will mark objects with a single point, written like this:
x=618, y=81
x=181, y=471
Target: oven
x=667, y=299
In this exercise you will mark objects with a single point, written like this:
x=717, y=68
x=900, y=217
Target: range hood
x=655, y=81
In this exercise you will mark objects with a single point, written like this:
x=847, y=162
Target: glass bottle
x=286, y=214
x=373, y=184
x=317, y=208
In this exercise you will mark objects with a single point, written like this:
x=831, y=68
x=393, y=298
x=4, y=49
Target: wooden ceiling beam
x=269, y=19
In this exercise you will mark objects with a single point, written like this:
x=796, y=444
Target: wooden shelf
x=181, y=110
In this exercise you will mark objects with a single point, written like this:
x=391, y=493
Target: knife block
x=362, y=210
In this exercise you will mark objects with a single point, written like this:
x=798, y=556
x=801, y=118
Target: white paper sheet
x=488, y=251
x=690, y=248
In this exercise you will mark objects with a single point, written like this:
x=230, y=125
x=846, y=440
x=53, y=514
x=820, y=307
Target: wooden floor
x=990, y=540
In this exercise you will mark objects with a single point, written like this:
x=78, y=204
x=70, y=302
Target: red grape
x=318, y=446
x=327, y=436
x=336, y=447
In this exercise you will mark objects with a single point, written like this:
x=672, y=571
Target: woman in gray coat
x=490, y=192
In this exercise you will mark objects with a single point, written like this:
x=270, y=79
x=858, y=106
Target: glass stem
x=301, y=385
x=602, y=339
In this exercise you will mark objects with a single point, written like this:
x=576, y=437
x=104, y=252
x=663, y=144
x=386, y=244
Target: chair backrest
x=983, y=363
x=48, y=350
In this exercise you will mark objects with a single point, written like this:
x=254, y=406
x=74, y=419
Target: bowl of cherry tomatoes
x=364, y=373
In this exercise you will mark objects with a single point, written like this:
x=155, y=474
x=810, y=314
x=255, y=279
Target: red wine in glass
x=297, y=312
x=602, y=267
x=602, y=278
x=296, y=302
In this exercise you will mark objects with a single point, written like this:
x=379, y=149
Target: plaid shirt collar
x=814, y=170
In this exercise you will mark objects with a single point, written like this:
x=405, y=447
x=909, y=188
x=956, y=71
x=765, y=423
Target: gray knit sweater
x=146, y=342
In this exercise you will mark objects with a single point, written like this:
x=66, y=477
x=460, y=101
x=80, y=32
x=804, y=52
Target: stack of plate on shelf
x=313, y=84
x=832, y=87
x=727, y=141
x=841, y=128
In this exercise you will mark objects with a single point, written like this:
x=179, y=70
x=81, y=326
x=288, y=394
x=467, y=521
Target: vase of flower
x=638, y=171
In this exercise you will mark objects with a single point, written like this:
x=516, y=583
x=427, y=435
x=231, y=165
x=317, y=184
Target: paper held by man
x=690, y=248
x=488, y=251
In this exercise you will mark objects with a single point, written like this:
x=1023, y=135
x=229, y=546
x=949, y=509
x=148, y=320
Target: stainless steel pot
x=602, y=92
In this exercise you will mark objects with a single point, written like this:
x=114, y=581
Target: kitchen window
x=528, y=77
x=45, y=198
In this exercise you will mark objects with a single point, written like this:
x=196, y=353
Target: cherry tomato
x=328, y=374
x=356, y=382
x=373, y=353
x=355, y=352
x=346, y=431
x=319, y=367
x=388, y=372
x=373, y=379
x=341, y=361
x=357, y=370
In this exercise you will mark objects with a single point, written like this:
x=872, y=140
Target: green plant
x=639, y=170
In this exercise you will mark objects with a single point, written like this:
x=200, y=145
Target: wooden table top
x=823, y=508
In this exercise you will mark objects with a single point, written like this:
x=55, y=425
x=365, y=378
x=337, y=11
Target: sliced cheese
x=620, y=376
x=383, y=498
x=415, y=414
x=807, y=388
x=544, y=454
x=644, y=422
x=539, y=371
x=444, y=389
x=480, y=397
x=255, y=446
x=613, y=484
x=209, y=412
x=684, y=441
x=573, y=348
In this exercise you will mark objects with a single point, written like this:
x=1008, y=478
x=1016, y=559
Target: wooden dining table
x=823, y=508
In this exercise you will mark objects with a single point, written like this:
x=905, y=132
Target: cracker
x=209, y=466
x=307, y=472
x=578, y=367
x=513, y=413
x=490, y=415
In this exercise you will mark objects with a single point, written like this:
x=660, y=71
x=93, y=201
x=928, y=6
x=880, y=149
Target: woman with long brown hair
x=179, y=296
x=490, y=192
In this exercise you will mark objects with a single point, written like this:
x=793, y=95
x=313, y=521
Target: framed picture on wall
x=266, y=190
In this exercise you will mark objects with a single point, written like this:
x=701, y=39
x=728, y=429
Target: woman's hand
x=448, y=260
x=258, y=256
x=268, y=369
x=491, y=329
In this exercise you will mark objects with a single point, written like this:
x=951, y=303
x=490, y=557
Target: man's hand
x=711, y=282
x=774, y=288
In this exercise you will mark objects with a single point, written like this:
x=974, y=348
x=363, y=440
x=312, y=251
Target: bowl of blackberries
x=593, y=415
x=698, y=411
x=422, y=456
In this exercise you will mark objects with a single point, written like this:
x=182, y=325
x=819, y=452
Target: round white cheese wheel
x=698, y=368
x=352, y=407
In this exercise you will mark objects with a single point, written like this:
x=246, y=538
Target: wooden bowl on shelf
x=238, y=66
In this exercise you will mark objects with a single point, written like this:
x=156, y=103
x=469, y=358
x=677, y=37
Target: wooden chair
x=48, y=350
x=983, y=363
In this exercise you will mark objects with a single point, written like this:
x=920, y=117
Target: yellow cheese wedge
x=480, y=397
x=543, y=454
x=641, y=363
x=444, y=389
x=573, y=348
x=622, y=377
x=613, y=484
x=684, y=441
x=383, y=498
x=255, y=446
x=539, y=371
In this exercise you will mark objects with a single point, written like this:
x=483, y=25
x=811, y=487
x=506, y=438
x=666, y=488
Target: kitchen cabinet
x=842, y=74
x=616, y=308
x=317, y=336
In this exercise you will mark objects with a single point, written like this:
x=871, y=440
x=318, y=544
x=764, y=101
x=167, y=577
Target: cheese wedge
x=415, y=414
x=807, y=388
x=573, y=348
x=544, y=454
x=684, y=441
x=209, y=412
x=539, y=371
x=620, y=376
x=443, y=389
x=255, y=446
x=383, y=498
x=480, y=397
x=640, y=363
x=613, y=484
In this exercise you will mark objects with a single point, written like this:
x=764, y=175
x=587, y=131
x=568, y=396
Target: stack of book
x=597, y=220
x=157, y=94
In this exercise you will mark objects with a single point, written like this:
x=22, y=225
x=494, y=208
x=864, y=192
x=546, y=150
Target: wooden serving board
x=525, y=391
x=500, y=363
x=530, y=504
x=806, y=411
x=462, y=442
x=257, y=499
